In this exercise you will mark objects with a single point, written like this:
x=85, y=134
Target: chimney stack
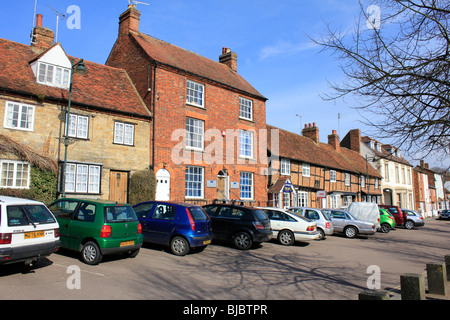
x=355, y=140
x=42, y=38
x=311, y=132
x=228, y=58
x=129, y=21
x=333, y=140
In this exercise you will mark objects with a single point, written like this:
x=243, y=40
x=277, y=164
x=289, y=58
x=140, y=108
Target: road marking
x=95, y=273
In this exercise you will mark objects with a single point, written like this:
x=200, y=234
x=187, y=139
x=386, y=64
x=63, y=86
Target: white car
x=28, y=231
x=288, y=227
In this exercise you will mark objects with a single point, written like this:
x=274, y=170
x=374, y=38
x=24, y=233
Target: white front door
x=163, y=185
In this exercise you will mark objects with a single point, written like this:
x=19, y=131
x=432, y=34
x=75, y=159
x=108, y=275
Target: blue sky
x=270, y=37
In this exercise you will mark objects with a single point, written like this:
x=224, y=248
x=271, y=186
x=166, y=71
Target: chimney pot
x=39, y=20
x=228, y=58
x=311, y=132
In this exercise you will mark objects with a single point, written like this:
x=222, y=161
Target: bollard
x=447, y=266
x=412, y=286
x=373, y=295
x=437, y=278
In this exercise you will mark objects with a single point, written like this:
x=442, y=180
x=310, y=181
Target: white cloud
x=284, y=48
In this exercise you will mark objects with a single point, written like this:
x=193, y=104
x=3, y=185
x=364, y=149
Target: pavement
x=395, y=293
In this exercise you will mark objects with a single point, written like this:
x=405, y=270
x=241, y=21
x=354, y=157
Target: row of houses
x=196, y=122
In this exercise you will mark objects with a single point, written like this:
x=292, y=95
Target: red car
x=400, y=217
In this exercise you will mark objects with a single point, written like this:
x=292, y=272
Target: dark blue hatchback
x=181, y=226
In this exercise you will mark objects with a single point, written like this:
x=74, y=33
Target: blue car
x=181, y=226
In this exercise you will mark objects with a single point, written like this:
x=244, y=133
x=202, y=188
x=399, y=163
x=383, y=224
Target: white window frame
x=124, y=133
x=348, y=179
x=83, y=178
x=246, y=181
x=302, y=198
x=78, y=126
x=16, y=169
x=363, y=181
x=195, y=93
x=332, y=175
x=245, y=144
x=53, y=75
x=306, y=170
x=23, y=110
x=245, y=109
x=195, y=134
x=285, y=167
x=193, y=186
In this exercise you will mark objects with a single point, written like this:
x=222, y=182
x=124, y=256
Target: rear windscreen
x=260, y=215
x=120, y=214
x=23, y=215
x=197, y=213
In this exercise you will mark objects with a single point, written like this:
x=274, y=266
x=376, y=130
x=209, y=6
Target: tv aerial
x=58, y=14
x=134, y=3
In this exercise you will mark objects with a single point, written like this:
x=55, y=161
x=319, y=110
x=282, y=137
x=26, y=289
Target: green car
x=387, y=221
x=97, y=227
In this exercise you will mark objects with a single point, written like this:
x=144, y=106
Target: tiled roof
x=191, y=62
x=103, y=87
x=385, y=153
x=303, y=149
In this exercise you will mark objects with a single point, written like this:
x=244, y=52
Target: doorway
x=118, y=186
x=162, y=185
x=223, y=185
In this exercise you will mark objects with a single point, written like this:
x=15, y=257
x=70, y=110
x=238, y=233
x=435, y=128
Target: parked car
x=288, y=227
x=28, y=231
x=180, y=226
x=387, y=221
x=399, y=216
x=444, y=214
x=243, y=226
x=324, y=223
x=413, y=219
x=97, y=227
x=344, y=222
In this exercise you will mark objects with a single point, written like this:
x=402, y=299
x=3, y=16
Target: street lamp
x=81, y=69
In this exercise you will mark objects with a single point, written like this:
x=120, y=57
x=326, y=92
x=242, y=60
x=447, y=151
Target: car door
x=162, y=223
x=83, y=224
x=144, y=212
x=63, y=211
x=339, y=220
x=223, y=224
x=276, y=221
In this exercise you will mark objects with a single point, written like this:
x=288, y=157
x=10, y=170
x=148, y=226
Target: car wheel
x=321, y=234
x=350, y=232
x=179, y=246
x=409, y=224
x=385, y=228
x=286, y=238
x=90, y=254
x=243, y=241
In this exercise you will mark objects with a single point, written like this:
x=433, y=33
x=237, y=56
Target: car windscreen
x=197, y=213
x=259, y=215
x=22, y=215
x=120, y=214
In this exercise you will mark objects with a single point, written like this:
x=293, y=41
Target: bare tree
x=399, y=71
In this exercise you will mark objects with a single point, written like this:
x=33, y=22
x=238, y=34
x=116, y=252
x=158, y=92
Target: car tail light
x=5, y=238
x=258, y=224
x=56, y=232
x=390, y=217
x=311, y=228
x=106, y=231
x=421, y=218
x=191, y=220
x=327, y=225
x=139, y=229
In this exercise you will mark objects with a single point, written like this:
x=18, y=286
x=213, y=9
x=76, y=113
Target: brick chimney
x=333, y=140
x=129, y=20
x=228, y=58
x=311, y=132
x=42, y=38
x=355, y=140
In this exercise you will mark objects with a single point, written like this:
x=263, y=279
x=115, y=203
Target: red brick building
x=204, y=139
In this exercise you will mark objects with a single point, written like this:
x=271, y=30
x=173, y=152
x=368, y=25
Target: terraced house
x=108, y=125
x=206, y=118
x=321, y=175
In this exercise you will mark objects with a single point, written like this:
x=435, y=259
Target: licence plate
x=207, y=242
x=34, y=234
x=126, y=243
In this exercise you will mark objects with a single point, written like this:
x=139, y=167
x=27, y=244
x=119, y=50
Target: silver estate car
x=413, y=219
x=344, y=222
x=324, y=224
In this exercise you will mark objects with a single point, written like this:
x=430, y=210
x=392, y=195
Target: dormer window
x=53, y=75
